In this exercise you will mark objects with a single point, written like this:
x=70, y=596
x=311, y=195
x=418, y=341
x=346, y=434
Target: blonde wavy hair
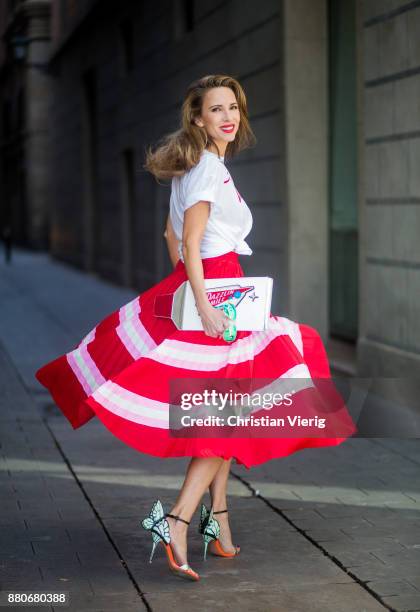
x=179, y=151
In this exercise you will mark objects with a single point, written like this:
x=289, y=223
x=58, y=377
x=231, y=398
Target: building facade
x=389, y=194
x=24, y=100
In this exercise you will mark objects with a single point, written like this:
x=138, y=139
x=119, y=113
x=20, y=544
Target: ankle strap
x=220, y=511
x=178, y=518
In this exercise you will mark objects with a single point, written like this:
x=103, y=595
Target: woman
x=122, y=369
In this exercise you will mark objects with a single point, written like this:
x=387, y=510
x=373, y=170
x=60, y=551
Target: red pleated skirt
x=121, y=372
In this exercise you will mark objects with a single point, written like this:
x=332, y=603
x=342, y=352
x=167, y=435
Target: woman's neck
x=220, y=150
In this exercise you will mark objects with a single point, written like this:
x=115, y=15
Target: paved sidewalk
x=331, y=529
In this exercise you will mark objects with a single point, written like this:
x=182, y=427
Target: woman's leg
x=200, y=473
x=218, y=488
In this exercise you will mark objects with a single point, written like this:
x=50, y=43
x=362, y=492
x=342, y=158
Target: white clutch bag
x=250, y=295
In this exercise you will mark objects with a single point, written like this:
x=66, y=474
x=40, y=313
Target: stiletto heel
x=210, y=530
x=158, y=525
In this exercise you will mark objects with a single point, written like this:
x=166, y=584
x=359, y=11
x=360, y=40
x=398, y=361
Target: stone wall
x=389, y=335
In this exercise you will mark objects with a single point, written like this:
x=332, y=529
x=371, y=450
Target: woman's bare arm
x=195, y=220
x=172, y=242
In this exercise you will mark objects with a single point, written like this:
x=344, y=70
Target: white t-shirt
x=230, y=219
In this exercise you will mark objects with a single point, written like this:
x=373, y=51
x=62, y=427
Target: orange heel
x=156, y=523
x=185, y=571
x=210, y=530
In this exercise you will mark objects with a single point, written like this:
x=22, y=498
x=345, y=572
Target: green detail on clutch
x=229, y=335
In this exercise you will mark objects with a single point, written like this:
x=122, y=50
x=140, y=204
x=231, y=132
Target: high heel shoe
x=156, y=523
x=210, y=530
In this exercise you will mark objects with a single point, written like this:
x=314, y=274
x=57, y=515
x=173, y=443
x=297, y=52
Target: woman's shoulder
x=208, y=169
x=208, y=163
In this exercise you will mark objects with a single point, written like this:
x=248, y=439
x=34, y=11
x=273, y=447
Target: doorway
x=343, y=217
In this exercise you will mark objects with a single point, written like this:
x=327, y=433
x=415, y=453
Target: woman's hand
x=214, y=320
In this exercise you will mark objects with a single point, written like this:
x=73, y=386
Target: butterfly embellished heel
x=158, y=525
x=210, y=530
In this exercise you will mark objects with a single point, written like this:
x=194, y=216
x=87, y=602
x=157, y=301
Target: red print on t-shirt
x=229, y=178
x=237, y=192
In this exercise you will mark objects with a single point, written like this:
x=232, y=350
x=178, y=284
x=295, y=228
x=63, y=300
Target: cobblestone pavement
x=334, y=529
